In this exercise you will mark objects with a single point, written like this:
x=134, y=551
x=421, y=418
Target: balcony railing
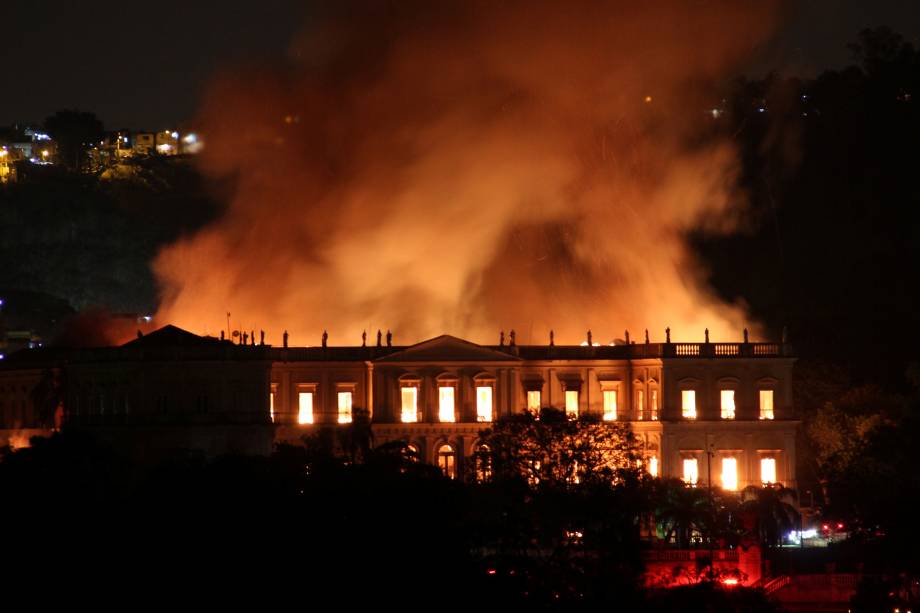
x=687, y=555
x=721, y=350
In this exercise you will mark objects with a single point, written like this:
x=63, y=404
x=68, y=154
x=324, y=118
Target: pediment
x=448, y=348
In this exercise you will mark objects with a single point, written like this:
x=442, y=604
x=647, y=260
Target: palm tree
x=773, y=507
x=679, y=509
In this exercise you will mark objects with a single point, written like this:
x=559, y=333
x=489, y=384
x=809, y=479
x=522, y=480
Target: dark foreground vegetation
x=348, y=518
x=354, y=526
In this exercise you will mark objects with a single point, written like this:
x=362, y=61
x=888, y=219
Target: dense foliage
x=340, y=510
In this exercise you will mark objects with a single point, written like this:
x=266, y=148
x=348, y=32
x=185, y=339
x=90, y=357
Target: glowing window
x=534, y=401
x=766, y=404
x=409, y=412
x=728, y=404
x=729, y=474
x=571, y=403
x=610, y=405
x=688, y=404
x=691, y=471
x=345, y=407
x=446, y=461
x=653, y=466
x=653, y=405
x=483, y=463
x=271, y=406
x=305, y=408
x=640, y=404
x=446, y=411
x=484, y=403
x=768, y=470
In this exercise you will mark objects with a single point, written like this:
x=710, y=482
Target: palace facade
x=700, y=410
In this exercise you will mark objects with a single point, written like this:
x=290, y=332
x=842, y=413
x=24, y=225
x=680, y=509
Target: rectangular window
x=688, y=404
x=691, y=471
x=271, y=406
x=409, y=411
x=610, y=405
x=534, y=401
x=766, y=404
x=653, y=405
x=728, y=404
x=729, y=474
x=653, y=466
x=768, y=470
x=446, y=411
x=305, y=408
x=345, y=399
x=640, y=404
x=484, y=403
x=571, y=403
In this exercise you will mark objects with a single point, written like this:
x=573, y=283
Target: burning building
x=701, y=411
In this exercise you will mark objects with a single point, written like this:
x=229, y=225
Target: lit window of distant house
x=305, y=408
x=447, y=461
x=729, y=474
x=653, y=404
x=640, y=404
x=610, y=405
x=409, y=409
x=691, y=471
x=571, y=403
x=446, y=410
x=766, y=404
x=533, y=401
x=653, y=466
x=768, y=470
x=688, y=404
x=271, y=405
x=728, y=404
x=345, y=399
x=484, y=403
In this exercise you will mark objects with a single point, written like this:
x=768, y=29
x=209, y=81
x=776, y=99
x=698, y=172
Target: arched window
x=483, y=459
x=652, y=399
x=447, y=460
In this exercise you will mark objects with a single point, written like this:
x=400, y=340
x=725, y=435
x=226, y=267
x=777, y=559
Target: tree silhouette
x=555, y=449
x=773, y=507
x=680, y=510
x=357, y=438
x=73, y=131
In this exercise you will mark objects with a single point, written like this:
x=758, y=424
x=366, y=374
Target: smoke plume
x=469, y=166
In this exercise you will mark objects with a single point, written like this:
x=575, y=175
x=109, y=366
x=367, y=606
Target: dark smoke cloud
x=468, y=166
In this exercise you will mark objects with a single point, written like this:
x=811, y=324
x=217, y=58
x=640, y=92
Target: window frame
x=312, y=390
x=761, y=389
x=694, y=385
x=345, y=388
x=449, y=471
x=410, y=381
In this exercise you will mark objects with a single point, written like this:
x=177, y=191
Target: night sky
x=143, y=65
